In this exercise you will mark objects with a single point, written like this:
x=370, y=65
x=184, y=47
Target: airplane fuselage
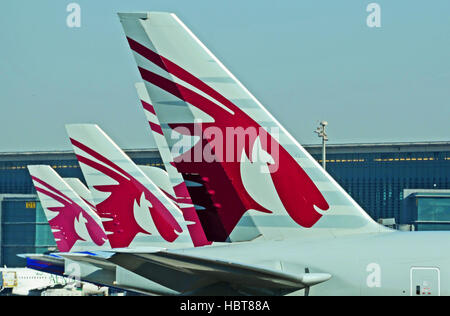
x=388, y=263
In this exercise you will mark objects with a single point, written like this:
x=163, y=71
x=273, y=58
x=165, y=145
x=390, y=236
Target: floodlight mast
x=321, y=133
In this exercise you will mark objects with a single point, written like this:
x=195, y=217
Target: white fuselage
x=23, y=280
x=389, y=263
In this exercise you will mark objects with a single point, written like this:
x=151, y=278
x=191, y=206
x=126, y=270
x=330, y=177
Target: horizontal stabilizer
x=51, y=259
x=190, y=274
x=95, y=260
x=123, y=278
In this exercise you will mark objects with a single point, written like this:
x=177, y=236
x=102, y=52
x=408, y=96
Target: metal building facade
x=23, y=229
x=375, y=175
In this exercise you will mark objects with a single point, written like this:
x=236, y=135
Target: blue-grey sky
x=304, y=60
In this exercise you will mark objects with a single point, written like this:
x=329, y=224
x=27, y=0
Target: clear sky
x=305, y=61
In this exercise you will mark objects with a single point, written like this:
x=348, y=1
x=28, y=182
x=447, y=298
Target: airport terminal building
x=406, y=181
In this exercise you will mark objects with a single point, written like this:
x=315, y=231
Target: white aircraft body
x=21, y=281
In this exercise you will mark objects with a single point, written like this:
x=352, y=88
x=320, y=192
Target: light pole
x=321, y=133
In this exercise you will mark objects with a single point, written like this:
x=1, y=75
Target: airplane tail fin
x=220, y=133
x=133, y=209
x=75, y=226
x=178, y=186
x=193, y=197
x=81, y=190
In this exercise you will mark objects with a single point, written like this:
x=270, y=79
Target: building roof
x=382, y=147
x=395, y=147
x=426, y=193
